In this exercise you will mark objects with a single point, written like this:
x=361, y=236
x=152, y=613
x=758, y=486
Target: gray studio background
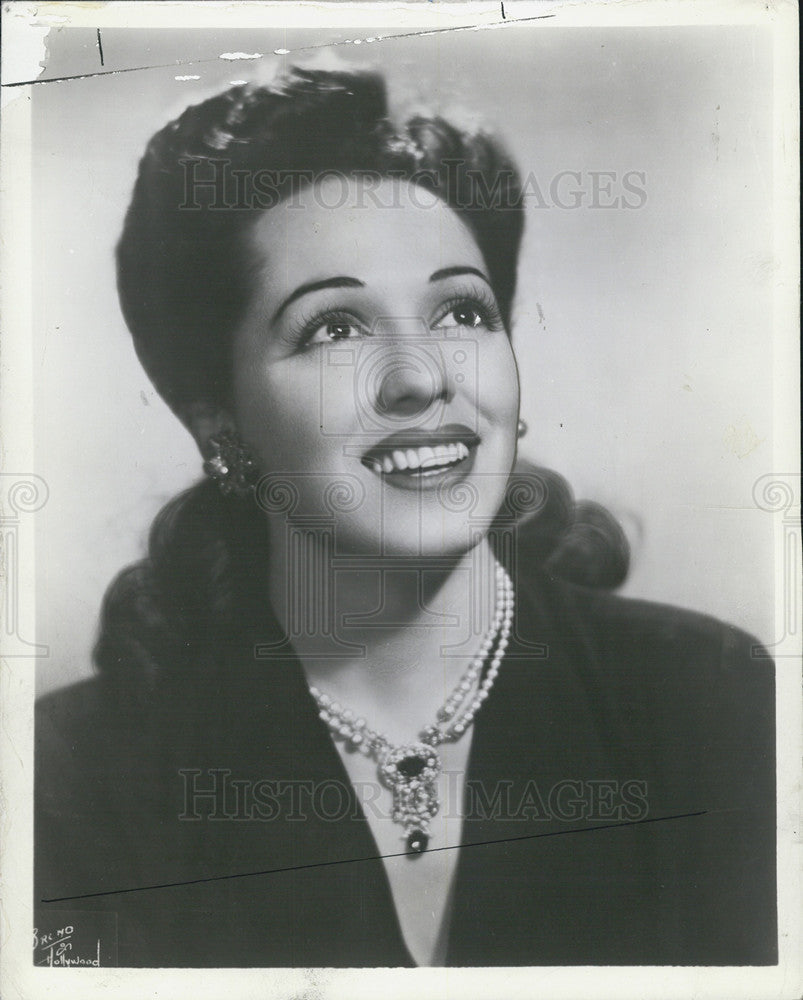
x=644, y=336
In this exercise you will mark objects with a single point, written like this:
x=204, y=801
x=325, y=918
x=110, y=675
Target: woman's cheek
x=498, y=387
x=264, y=414
x=290, y=411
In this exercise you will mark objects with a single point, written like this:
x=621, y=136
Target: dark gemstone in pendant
x=417, y=842
x=411, y=766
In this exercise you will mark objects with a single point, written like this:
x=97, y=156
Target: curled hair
x=183, y=269
x=171, y=614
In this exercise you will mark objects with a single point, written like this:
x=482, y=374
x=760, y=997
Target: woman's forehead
x=377, y=230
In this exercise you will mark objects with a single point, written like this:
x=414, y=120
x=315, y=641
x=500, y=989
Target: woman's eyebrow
x=314, y=286
x=346, y=282
x=450, y=272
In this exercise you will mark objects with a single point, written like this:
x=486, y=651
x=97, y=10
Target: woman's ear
x=204, y=421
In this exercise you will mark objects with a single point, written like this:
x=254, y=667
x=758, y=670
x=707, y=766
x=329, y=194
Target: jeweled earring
x=521, y=430
x=231, y=465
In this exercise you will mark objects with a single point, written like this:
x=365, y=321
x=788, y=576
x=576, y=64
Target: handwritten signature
x=54, y=948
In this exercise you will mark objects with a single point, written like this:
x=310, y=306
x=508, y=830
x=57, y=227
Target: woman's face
x=373, y=373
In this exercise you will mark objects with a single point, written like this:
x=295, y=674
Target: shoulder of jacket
x=73, y=704
x=83, y=721
x=615, y=623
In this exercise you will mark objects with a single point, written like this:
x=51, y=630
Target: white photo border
x=23, y=24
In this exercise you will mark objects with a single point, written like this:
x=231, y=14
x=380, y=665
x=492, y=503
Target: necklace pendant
x=417, y=842
x=411, y=772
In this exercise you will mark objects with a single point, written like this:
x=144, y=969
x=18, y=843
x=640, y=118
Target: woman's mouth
x=424, y=461
x=405, y=459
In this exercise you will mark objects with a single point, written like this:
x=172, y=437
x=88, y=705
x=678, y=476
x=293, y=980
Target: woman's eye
x=333, y=330
x=464, y=314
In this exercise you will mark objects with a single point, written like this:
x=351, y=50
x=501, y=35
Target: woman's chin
x=414, y=541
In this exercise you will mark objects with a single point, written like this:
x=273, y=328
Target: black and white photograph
x=400, y=499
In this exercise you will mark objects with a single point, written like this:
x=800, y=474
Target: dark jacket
x=622, y=808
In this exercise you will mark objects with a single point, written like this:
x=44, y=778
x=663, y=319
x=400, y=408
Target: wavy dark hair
x=185, y=278
x=185, y=272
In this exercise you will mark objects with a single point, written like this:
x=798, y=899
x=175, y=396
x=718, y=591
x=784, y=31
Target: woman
x=368, y=701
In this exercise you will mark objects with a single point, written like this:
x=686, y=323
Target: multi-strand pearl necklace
x=411, y=770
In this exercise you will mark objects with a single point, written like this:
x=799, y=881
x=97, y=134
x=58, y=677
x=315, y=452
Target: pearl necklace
x=411, y=770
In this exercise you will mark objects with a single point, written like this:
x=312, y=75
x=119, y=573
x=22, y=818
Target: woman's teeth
x=422, y=460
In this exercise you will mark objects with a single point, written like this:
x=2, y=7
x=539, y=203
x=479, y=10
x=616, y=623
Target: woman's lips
x=412, y=460
x=423, y=460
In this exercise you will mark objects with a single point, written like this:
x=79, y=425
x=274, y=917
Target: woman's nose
x=410, y=376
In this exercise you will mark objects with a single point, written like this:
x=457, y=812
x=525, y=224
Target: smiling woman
x=413, y=356
x=371, y=667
